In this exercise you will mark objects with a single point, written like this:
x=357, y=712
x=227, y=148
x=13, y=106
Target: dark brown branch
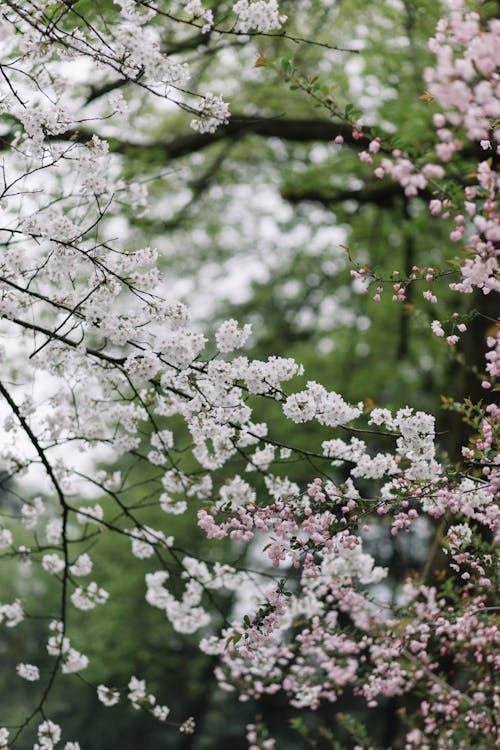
x=297, y=130
x=382, y=194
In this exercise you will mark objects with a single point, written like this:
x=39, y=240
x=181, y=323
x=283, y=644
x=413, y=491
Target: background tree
x=85, y=304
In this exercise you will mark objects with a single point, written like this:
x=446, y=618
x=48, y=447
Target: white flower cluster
x=213, y=111
x=135, y=12
x=108, y=696
x=139, y=698
x=53, y=225
x=169, y=505
x=94, y=168
x=186, y=615
x=328, y=407
x=52, y=563
x=59, y=644
x=143, y=365
x=229, y=337
x=11, y=614
x=6, y=538
x=28, y=672
x=261, y=458
x=112, y=355
x=161, y=442
x=138, y=48
x=212, y=645
x=89, y=596
x=195, y=9
x=416, y=439
x=216, y=412
x=31, y=512
x=258, y=15
x=137, y=692
x=178, y=482
x=220, y=577
x=145, y=539
x=350, y=562
x=459, y=535
x=53, y=531
x=416, y=443
x=236, y=492
x=40, y=121
x=181, y=347
x=48, y=735
x=365, y=465
x=90, y=514
x=82, y=565
x=281, y=487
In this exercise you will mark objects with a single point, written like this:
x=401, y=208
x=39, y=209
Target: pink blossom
x=437, y=328
x=435, y=206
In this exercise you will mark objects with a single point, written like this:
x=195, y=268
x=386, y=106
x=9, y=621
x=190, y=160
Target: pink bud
x=435, y=206
x=365, y=157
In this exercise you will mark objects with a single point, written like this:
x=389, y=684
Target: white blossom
x=74, y=661
x=31, y=512
x=197, y=11
x=53, y=563
x=59, y=644
x=108, y=696
x=11, y=614
x=54, y=530
x=5, y=538
x=300, y=407
x=459, y=535
x=237, y=492
x=229, y=337
x=346, y=562
x=261, y=15
x=160, y=712
x=144, y=539
x=137, y=691
x=28, y=672
x=89, y=596
x=213, y=111
x=213, y=646
x=49, y=734
x=82, y=566
x=90, y=514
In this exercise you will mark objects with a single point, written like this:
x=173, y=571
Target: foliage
x=274, y=526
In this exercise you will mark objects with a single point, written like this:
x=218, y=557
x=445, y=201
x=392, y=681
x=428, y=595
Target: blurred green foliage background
x=253, y=223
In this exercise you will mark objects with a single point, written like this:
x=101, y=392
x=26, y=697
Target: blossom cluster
x=113, y=369
x=261, y=15
x=465, y=84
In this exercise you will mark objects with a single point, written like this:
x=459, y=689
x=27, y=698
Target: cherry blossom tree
x=100, y=366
